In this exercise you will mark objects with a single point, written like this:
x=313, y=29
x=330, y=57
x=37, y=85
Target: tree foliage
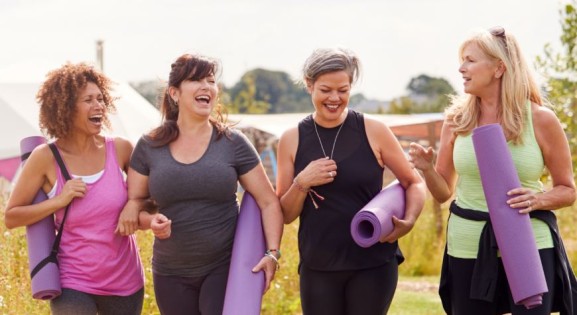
x=560, y=70
x=426, y=95
x=275, y=88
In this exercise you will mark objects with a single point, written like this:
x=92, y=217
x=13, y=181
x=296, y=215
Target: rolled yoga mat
x=244, y=288
x=40, y=238
x=513, y=231
x=375, y=219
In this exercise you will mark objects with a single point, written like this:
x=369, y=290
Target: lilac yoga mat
x=244, y=288
x=513, y=231
x=375, y=219
x=40, y=237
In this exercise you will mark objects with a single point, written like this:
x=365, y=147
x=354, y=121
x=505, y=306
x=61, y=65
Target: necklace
x=334, y=142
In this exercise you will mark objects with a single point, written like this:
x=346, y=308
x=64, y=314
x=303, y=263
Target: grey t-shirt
x=199, y=198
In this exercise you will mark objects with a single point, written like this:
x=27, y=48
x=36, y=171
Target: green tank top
x=462, y=234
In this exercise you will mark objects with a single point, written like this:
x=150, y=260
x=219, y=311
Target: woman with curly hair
x=100, y=270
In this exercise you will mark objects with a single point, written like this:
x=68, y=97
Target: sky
x=395, y=40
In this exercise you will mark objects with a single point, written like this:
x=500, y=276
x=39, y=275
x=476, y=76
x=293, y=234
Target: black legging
x=460, y=283
x=367, y=291
x=177, y=295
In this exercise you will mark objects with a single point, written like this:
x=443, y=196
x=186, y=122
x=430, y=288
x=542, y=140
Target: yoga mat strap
x=50, y=259
x=53, y=254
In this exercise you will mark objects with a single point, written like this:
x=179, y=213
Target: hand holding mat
x=244, y=288
x=376, y=218
x=40, y=238
x=513, y=230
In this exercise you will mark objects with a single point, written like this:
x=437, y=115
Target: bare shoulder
x=123, y=149
x=543, y=117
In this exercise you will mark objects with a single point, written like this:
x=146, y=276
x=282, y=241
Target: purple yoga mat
x=375, y=219
x=40, y=237
x=244, y=288
x=513, y=230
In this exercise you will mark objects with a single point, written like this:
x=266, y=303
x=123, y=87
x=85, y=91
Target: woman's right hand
x=421, y=158
x=73, y=188
x=161, y=226
x=318, y=172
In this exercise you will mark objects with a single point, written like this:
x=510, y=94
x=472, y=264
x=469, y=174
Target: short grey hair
x=326, y=60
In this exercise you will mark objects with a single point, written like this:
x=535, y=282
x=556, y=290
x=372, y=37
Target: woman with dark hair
x=100, y=270
x=190, y=166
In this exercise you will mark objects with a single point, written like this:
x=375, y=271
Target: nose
x=462, y=68
x=334, y=96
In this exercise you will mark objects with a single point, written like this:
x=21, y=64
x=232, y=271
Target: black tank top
x=325, y=241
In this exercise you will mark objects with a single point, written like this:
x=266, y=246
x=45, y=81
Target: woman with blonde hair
x=499, y=89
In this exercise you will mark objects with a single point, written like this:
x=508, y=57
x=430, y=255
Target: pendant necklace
x=312, y=191
x=334, y=142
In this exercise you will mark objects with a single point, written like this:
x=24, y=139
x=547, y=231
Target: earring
x=175, y=102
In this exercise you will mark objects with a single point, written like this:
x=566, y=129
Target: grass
x=416, y=293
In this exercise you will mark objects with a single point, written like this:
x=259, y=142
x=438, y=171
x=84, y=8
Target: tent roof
x=19, y=115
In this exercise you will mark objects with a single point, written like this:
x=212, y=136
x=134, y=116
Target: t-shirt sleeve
x=245, y=153
x=139, y=158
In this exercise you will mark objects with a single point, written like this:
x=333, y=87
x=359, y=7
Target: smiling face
x=330, y=96
x=90, y=110
x=196, y=97
x=481, y=73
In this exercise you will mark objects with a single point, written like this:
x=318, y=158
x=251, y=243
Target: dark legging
x=177, y=295
x=367, y=291
x=460, y=284
x=73, y=302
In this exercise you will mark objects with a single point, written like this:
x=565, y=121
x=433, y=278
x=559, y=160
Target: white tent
x=19, y=119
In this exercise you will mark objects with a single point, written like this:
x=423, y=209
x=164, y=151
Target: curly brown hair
x=58, y=95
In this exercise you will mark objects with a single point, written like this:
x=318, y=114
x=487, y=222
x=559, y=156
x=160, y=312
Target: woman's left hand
x=269, y=266
x=524, y=199
x=128, y=220
x=402, y=227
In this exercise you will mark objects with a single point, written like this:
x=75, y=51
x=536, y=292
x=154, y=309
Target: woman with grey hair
x=329, y=167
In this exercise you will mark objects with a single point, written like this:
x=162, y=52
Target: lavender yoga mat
x=40, y=237
x=375, y=219
x=244, y=288
x=513, y=231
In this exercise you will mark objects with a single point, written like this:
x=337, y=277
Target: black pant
x=460, y=283
x=366, y=292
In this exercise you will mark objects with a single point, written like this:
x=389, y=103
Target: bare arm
x=441, y=178
x=35, y=176
x=257, y=184
x=557, y=157
x=389, y=153
x=292, y=195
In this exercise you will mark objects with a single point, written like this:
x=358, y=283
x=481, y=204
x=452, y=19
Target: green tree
x=429, y=93
x=245, y=100
x=560, y=70
x=276, y=88
x=402, y=106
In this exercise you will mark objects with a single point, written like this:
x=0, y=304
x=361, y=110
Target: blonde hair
x=517, y=86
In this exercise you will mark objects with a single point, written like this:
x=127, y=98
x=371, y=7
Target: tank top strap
x=110, y=153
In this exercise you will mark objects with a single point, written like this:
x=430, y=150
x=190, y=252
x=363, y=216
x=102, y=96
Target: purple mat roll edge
x=513, y=231
x=244, y=288
x=40, y=237
x=375, y=218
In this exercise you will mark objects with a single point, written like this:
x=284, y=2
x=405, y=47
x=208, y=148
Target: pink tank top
x=92, y=258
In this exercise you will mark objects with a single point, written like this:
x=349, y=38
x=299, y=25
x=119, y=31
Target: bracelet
x=300, y=187
x=274, y=250
x=271, y=256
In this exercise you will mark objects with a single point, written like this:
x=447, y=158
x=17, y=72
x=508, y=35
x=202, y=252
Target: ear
x=173, y=93
x=500, y=69
x=309, y=86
